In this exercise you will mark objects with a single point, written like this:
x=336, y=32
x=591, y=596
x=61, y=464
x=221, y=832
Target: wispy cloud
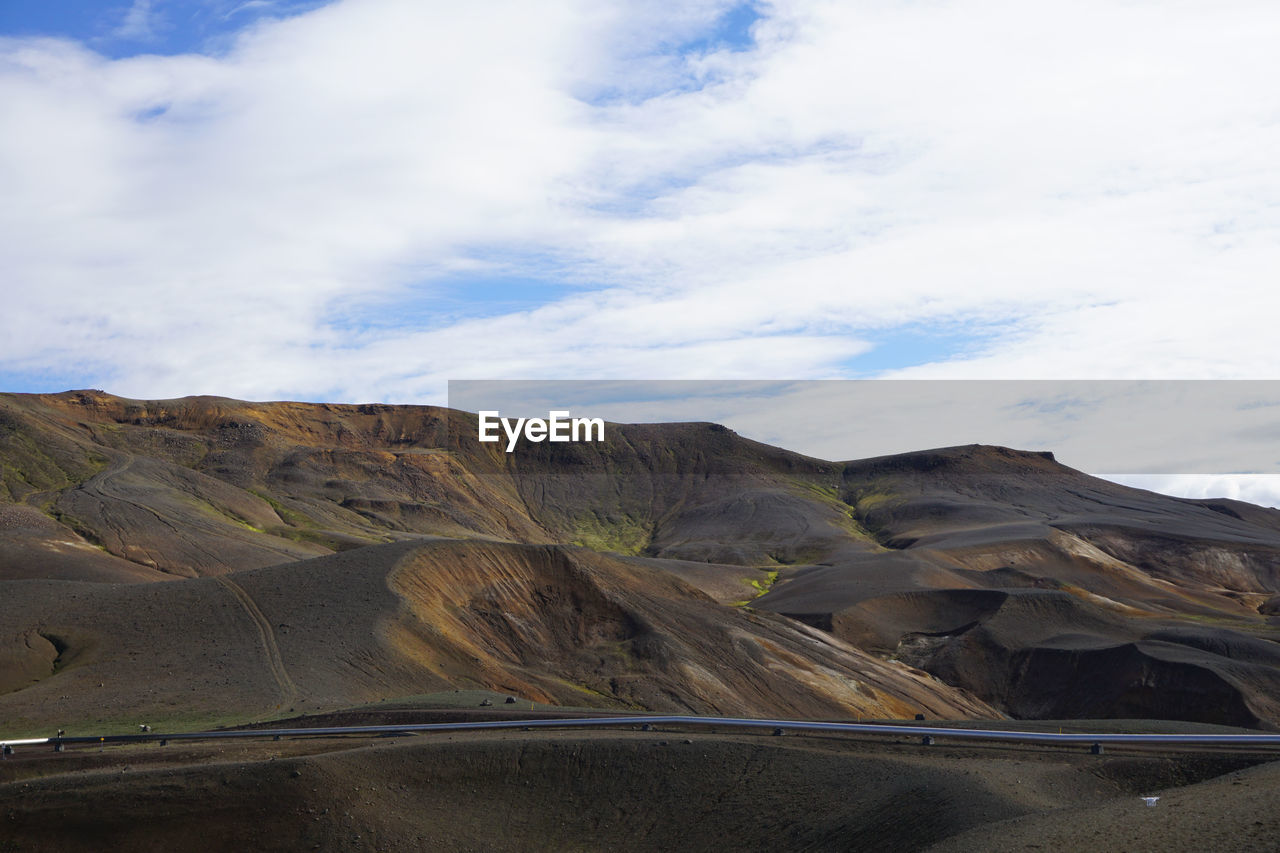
x=139, y=22
x=1260, y=489
x=1090, y=181
x=250, y=5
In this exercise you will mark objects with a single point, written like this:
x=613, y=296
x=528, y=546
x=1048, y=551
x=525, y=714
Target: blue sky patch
x=669, y=65
x=44, y=382
x=126, y=28
x=732, y=32
x=447, y=301
x=918, y=343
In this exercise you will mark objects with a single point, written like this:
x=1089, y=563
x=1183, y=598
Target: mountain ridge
x=1005, y=576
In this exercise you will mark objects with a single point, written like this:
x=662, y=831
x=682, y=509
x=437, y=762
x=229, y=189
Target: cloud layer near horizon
x=364, y=200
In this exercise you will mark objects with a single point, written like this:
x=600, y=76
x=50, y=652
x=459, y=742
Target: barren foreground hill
x=632, y=792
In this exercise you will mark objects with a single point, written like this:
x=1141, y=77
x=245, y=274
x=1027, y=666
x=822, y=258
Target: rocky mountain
x=206, y=559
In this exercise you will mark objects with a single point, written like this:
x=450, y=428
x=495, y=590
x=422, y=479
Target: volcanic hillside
x=206, y=559
x=1053, y=594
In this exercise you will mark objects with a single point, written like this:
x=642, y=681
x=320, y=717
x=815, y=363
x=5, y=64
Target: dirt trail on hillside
x=288, y=690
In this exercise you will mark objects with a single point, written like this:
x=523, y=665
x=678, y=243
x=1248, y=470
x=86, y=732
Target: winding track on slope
x=107, y=487
x=275, y=663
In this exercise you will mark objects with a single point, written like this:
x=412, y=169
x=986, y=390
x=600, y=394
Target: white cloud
x=1260, y=489
x=1095, y=175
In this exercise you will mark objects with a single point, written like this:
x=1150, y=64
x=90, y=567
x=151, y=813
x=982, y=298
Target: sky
x=360, y=200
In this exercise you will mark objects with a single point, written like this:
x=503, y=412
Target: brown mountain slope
x=207, y=485
x=554, y=624
x=33, y=545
